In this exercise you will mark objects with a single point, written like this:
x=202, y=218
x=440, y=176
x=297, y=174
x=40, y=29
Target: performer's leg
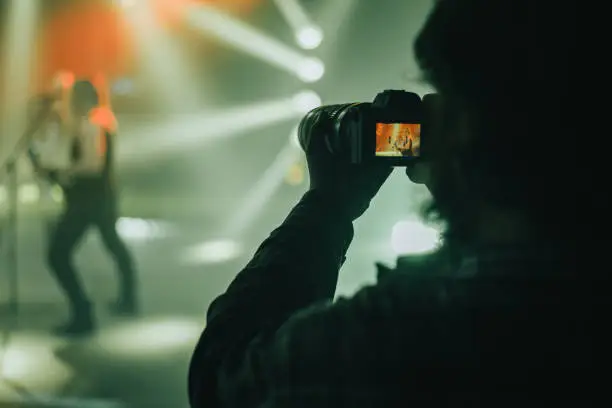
x=46, y=203
x=106, y=222
x=67, y=235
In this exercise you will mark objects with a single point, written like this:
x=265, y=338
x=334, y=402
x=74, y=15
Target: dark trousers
x=80, y=214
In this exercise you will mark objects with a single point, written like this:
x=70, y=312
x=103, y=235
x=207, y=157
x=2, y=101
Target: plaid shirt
x=508, y=326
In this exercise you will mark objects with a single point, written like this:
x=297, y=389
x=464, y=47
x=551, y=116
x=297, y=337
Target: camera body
x=388, y=130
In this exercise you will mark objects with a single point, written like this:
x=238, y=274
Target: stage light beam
x=249, y=40
x=311, y=70
x=149, y=137
x=306, y=101
x=307, y=34
x=310, y=37
x=166, y=64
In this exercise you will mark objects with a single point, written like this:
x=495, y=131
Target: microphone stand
x=10, y=167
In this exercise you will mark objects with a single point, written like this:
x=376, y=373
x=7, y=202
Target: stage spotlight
x=212, y=252
x=311, y=70
x=306, y=101
x=414, y=237
x=310, y=37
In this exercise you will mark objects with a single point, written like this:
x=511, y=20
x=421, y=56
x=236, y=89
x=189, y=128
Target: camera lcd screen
x=398, y=139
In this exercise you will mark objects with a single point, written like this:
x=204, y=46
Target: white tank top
x=52, y=146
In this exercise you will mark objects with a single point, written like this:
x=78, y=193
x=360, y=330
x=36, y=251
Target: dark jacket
x=506, y=326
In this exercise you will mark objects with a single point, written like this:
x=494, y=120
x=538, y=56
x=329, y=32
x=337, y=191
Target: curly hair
x=510, y=67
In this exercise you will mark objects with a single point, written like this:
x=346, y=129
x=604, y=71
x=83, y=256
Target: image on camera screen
x=398, y=139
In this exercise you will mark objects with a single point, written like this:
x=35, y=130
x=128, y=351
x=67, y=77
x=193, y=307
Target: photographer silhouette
x=504, y=310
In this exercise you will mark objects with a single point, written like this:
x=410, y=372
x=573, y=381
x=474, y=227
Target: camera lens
x=331, y=122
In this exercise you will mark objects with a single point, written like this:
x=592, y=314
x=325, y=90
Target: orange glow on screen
x=398, y=139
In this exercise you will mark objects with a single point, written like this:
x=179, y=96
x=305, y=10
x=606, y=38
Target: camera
x=389, y=130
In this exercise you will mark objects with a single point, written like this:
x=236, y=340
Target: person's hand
x=348, y=186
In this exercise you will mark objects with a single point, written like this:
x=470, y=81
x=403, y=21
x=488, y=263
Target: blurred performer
x=48, y=144
x=406, y=141
x=90, y=199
